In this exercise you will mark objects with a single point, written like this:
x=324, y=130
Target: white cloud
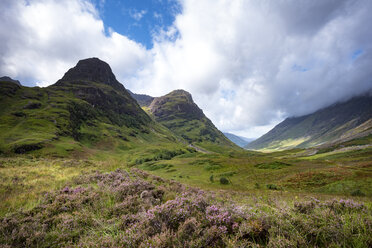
x=44, y=38
x=281, y=58
x=137, y=15
x=248, y=64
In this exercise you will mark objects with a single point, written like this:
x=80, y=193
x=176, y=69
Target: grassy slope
x=152, y=147
x=266, y=184
x=181, y=115
x=323, y=126
x=54, y=121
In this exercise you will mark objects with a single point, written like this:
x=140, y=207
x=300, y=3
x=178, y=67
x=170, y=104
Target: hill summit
x=178, y=112
x=94, y=70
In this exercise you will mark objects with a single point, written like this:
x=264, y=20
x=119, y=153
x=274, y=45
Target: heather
x=131, y=208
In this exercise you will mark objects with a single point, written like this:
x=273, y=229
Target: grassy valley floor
x=174, y=197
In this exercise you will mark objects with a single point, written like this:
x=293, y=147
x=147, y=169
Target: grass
x=54, y=191
x=25, y=178
x=275, y=191
x=130, y=208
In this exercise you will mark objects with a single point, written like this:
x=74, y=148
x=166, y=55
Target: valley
x=86, y=163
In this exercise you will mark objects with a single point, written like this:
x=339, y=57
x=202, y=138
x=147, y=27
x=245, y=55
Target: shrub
x=121, y=209
x=211, y=178
x=357, y=192
x=272, y=186
x=224, y=180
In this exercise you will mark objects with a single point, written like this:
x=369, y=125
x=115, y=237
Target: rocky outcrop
x=93, y=70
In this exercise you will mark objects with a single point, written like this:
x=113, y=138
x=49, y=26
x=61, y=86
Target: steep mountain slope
x=240, y=141
x=142, y=99
x=8, y=79
x=178, y=112
x=336, y=123
x=87, y=108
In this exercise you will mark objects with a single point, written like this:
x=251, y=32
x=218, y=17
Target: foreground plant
x=135, y=209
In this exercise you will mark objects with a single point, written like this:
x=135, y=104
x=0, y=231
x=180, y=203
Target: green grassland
x=26, y=177
x=74, y=172
x=275, y=199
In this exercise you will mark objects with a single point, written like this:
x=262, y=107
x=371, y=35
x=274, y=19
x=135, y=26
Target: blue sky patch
x=138, y=20
x=356, y=54
x=300, y=68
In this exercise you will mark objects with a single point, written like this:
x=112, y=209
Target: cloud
x=42, y=39
x=248, y=64
x=282, y=58
x=137, y=15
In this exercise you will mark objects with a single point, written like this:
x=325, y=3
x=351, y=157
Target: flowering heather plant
x=129, y=209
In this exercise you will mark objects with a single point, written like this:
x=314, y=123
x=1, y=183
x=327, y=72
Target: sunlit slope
x=178, y=112
x=336, y=123
x=87, y=109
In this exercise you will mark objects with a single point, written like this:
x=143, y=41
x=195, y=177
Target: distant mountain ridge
x=142, y=99
x=339, y=121
x=239, y=140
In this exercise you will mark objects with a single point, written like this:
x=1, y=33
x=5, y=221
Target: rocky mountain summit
x=178, y=112
x=178, y=103
x=94, y=70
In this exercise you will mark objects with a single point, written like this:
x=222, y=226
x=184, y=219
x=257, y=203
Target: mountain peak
x=178, y=112
x=181, y=93
x=178, y=102
x=8, y=79
x=92, y=69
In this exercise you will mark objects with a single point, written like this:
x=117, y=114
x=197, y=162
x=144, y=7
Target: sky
x=248, y=63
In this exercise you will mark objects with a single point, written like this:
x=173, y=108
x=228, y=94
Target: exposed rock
x=94, y=70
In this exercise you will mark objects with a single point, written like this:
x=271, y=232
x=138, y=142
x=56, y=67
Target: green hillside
x=86, y=109
x=337, y=123
x=82, y=165
x=178, y=112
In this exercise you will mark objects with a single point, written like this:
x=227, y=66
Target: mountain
x=8, y=79
x=178, y=112
x=336, y=123
x=240, y=141
x=86, y=109
x=142, y=100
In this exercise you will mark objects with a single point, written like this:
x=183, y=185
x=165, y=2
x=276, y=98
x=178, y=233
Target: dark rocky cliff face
x=93, y=81
x=94, y=70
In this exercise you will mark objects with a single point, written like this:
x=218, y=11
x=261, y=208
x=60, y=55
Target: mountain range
x=89, y=109
x=239, y=140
